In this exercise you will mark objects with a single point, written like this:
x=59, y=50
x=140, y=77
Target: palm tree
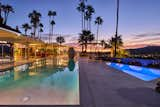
x=85, y=38
x=52, y=24
x=35, y=20
x=26, y=27
x=51, y=15
x=7, y=9
x=60, y=40
x=103, y=43
x=0, y=9
x=90, y=39
x=81, y=9
x=116, y=35
x=40, y=29
x=81, y=41
x=89, y=12
x=98, y=21
x=118, y=42
x=1, y=19
x=40, y=25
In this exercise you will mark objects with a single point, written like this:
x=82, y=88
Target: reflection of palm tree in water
x=71, y=55
x=71, y=64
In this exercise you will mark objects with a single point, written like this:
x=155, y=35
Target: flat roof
x=15, y=37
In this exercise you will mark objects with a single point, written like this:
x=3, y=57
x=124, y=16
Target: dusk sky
x=139, y=22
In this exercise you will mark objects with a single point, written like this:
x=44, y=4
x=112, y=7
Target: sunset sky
x=139, y=19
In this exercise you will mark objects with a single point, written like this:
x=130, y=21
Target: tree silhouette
x=116, y=35
x=118, y=42
x=34, y=20
x=88, y=15
x=98, y=21
x=81, y=9
x=26, y=27
x=51, y=15
x=85, y=37
x=60, y=40
x=6, y=10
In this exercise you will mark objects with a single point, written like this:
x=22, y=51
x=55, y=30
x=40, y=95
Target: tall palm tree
x=40, y=25
x=103, y=43
x=34, y=20
x=52, y=24
x=40, y=29
x=0, y=10
x=81, y=9
x=98, y=21
x=89, y=12
x=51, y=15
x=7, y=9
x=26, y=27
x=116, y=35
x=1, y=18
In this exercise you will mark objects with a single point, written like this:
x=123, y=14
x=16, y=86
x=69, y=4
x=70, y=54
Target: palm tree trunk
x=34, y=32
x=5, y=18
x=52, y=31
x=97, y=37
x=115, y=53
x=82, y=22
x=82, y=47
x=25, y=32
x=1, y=19
x=90, y=24
x=85, y=46
x=0, y=10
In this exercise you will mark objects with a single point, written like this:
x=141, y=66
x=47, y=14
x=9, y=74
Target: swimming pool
x=143, y=73
x=40, y=83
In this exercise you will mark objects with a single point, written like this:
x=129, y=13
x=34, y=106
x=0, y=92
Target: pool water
x=41, y=83
x=143, y=73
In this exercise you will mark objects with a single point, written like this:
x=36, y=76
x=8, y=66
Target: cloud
x=139, y=36
x=70, y=38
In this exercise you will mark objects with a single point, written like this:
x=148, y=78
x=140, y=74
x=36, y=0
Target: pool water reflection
x=41, y=82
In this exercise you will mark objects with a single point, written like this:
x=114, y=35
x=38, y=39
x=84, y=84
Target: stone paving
x=102, y=86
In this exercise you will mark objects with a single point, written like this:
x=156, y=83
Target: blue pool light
x=143, y=73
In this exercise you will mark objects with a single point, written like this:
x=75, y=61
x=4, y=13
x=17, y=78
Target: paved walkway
x=102, y=86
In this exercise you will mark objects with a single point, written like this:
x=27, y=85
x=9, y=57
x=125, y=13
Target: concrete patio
x=102, y=86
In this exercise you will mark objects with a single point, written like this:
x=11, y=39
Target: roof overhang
x=12, y=36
